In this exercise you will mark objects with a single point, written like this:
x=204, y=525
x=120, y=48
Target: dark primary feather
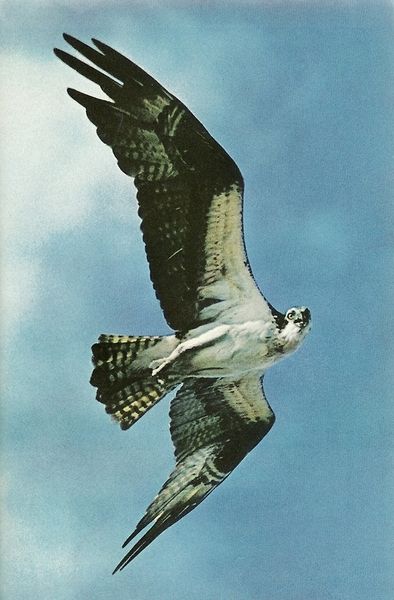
x=180, y=172
x=214, y=424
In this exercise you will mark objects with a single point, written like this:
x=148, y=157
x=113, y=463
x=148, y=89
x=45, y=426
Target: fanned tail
x=123, y=377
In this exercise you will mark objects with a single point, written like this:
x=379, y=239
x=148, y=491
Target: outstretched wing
x=214, y=424
x=189, y=192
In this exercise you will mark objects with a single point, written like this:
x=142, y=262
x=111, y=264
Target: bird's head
x=295, y=326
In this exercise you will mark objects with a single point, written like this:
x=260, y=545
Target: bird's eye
x=291, y=314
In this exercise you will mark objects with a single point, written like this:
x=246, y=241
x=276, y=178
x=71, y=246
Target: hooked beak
x=306, y=316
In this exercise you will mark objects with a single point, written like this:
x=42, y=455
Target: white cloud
x=46, y=186
x=20, y=280
x=21, y=540
x=42, y=565
x=51, y=167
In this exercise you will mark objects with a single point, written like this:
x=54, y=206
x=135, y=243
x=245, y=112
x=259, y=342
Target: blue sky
x=300, y=94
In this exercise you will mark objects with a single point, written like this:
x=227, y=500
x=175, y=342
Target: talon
x=158, y=365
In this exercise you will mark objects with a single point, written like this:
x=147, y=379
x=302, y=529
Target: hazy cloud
x=299, y=103
x=47, y=183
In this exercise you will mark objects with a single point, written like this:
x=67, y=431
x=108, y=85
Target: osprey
x=226, y=334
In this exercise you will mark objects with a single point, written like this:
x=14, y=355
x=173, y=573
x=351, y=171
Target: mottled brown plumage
x=190, y=195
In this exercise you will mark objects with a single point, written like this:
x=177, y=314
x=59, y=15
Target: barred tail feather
x=129, y=404
x=123, y=377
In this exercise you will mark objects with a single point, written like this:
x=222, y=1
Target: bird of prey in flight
x=226, y=334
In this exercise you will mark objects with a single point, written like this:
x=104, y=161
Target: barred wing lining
x=189, y=191
x=214, y=424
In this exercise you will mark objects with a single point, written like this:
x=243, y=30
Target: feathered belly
x=227, y=351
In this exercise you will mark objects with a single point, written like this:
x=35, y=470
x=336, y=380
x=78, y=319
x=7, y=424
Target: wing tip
x=133, y=552
x=77, y=96
x=84, y=99
x=100, y=45
x=142, y=543
x=61, y=54
x=132, y=535
x=117, y=568
x=125, y=561
x=69, y=38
